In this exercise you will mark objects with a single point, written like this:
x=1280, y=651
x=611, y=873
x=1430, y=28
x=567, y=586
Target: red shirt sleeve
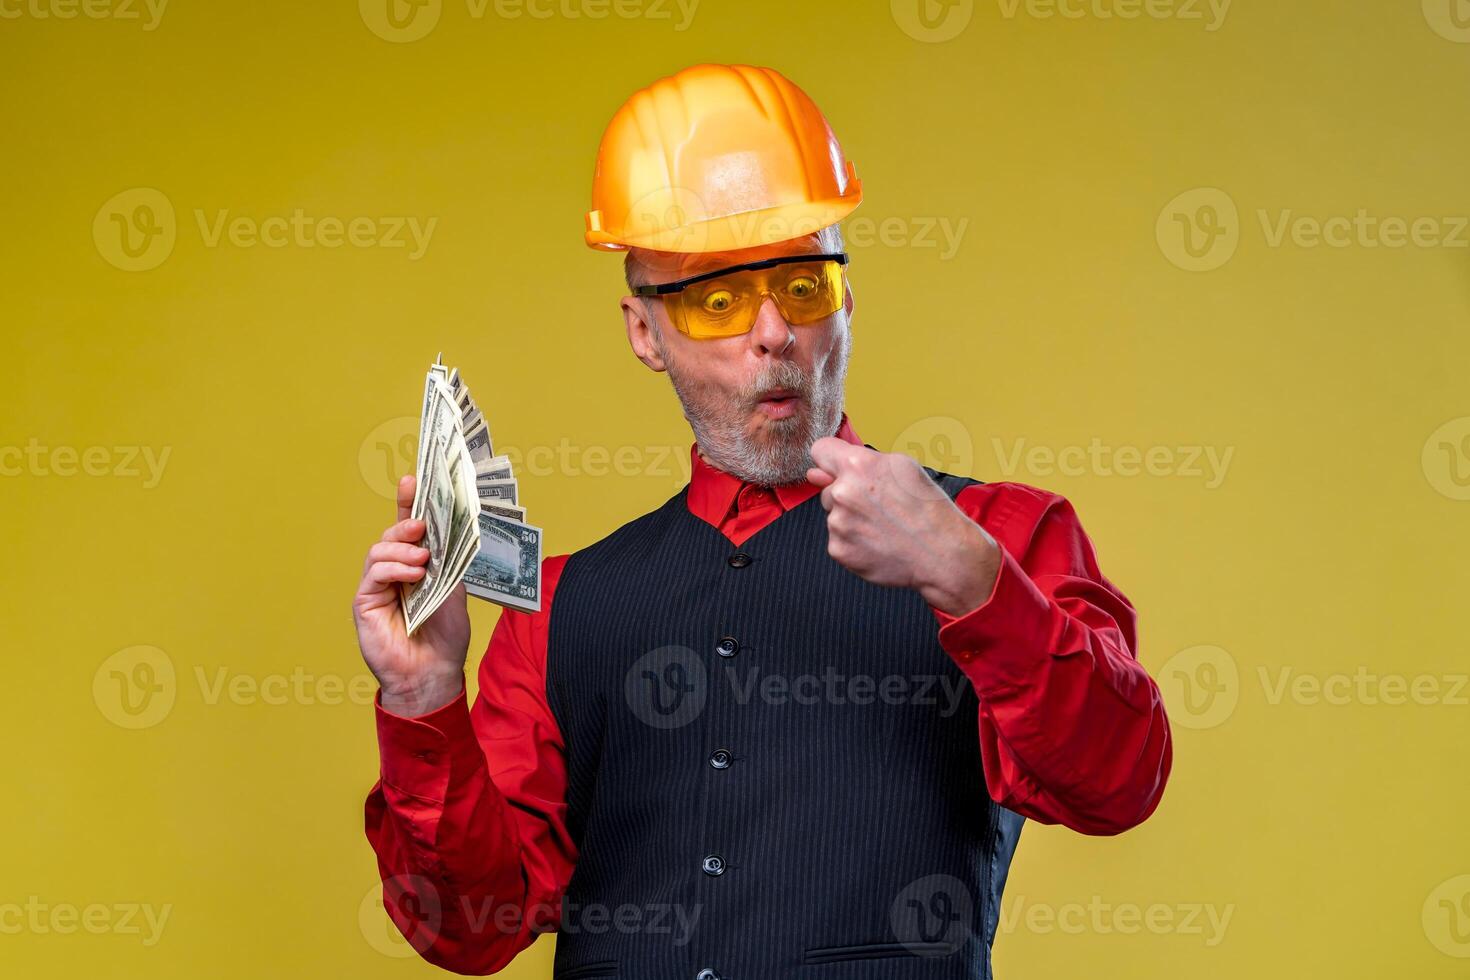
x=468, y=818
x=1072, y=728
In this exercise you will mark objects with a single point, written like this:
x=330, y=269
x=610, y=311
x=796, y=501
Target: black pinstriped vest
x=773, y=767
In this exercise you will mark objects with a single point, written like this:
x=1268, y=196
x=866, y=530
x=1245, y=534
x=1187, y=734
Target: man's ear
x=637, y=316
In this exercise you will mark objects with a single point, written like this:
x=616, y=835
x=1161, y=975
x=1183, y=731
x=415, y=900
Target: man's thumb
x=827, y=454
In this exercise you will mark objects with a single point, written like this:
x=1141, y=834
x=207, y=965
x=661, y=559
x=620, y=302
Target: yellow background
x=1333, y=835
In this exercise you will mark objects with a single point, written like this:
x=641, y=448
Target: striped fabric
x=773, y=766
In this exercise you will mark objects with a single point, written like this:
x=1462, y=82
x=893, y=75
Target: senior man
x=788, y=723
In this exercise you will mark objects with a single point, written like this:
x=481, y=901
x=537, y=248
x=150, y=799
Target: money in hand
x=467, y=497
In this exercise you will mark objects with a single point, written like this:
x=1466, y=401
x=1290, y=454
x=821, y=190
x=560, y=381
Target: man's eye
x=719, y=301
x=802, y=287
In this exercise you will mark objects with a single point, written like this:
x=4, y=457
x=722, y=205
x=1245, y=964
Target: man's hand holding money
x=425, y=671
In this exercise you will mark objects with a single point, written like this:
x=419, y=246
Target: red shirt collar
x=712, y=491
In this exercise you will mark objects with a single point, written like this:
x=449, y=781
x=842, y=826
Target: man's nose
x=771, y=333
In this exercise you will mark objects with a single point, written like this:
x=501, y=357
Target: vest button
x=721, y=758
x=706, y=974
x=727, y=647
x=738, y=560
x=714, y=865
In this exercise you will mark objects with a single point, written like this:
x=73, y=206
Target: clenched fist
x=890, y=524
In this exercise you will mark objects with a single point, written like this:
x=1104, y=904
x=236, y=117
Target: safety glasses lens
x=726, y=306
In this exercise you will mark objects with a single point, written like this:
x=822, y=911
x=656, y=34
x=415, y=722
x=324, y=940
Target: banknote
x=504, y=491
x=468, y=498
x=478, y=442
x=437, y=503
x=504, y=510
x=463, y=529
x=494, y=468
x=507, y=568
x=439, y=426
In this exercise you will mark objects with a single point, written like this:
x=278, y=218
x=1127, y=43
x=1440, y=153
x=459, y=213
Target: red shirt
x=468, y=818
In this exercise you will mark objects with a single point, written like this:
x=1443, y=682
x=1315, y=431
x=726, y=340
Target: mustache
x=785, y=375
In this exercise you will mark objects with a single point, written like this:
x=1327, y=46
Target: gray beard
x=785, y=455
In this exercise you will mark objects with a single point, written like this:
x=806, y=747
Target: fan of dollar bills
x=475, y=528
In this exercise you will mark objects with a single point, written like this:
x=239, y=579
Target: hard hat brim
x=733, y=232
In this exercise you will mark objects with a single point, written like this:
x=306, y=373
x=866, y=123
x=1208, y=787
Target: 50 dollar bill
x=507, y=568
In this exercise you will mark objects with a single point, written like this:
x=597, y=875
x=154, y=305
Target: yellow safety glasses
x=724, y=303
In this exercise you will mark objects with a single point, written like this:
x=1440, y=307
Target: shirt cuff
x=418, y=754
x=1001, y=642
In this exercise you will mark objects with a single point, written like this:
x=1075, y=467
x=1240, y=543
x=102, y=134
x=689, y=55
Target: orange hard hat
x=716, y=158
